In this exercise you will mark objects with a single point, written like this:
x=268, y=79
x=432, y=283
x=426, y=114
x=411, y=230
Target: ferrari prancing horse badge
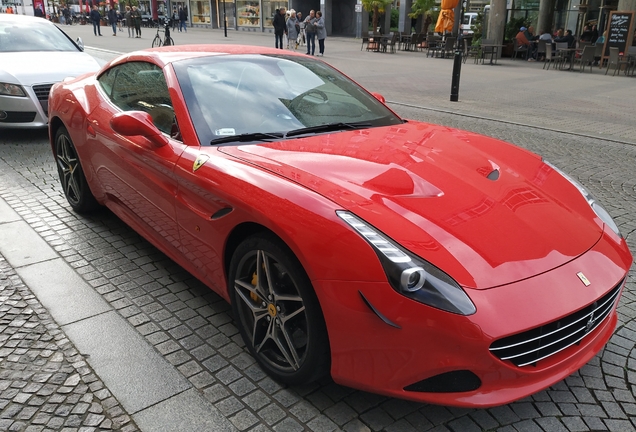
x=199, y=161
x=585, y=280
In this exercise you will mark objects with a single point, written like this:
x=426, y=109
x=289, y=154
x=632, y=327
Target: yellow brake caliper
x=253, y=295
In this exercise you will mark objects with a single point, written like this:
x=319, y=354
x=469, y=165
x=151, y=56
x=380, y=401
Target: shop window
x=269, y=9
x=200, y=11
x=248, y=13
x=229, y=13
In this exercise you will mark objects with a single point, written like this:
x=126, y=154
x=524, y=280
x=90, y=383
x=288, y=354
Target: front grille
x=17, y=117
x=537, y=344
x=42, y=91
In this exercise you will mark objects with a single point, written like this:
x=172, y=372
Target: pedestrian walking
x=293, y=29
x=112, y=20
x=310, y=31
x=321, y=33
x=129, y=22
x=279, y=26
x=175, y=19
x=96, y=19
x=183, y=16
x=136, y=16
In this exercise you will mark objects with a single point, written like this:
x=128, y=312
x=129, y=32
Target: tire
x=169, y=41
x=72, y=178
x=156, y=42
x=282, y=326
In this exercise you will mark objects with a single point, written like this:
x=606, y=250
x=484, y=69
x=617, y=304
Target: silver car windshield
x=243, y=95
x=16, y=36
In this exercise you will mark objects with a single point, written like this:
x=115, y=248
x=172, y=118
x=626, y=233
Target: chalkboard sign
x=619, y=31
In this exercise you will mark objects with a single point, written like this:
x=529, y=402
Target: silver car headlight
x=596, y=206
x=410, y=275
x=7, y=89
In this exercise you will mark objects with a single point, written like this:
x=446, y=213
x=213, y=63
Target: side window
x=141, y=86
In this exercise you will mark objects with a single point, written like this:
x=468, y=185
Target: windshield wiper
x=248, y=137
x=327, y=128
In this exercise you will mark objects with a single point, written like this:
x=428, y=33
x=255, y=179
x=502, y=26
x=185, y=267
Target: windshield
x=18, y=36
x=234, y=95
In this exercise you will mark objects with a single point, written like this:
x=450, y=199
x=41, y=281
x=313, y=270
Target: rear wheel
x=169, y=41
x=72, y=178
x=277, y=311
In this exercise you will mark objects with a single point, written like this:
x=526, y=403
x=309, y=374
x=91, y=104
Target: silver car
x=34, y=55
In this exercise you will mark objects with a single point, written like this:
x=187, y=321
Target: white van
x=469, y=20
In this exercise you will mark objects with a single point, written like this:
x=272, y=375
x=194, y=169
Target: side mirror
x=134, y=123
x=379, y=97
x=80, y=43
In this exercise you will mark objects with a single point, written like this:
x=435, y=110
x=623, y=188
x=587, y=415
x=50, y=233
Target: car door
x=137, y=176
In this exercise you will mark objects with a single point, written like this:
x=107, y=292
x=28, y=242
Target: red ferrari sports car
x=402, y=258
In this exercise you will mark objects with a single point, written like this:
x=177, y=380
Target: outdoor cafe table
x=378, y=42
x=568, y=54
x=494, y=52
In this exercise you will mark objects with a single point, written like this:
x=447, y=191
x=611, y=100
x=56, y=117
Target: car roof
x=166, y=55
x=23, y=18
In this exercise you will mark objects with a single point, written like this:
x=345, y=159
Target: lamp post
x=457, y=59
x=224, y=20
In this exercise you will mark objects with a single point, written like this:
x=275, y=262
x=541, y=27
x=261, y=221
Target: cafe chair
x=549, y=58
x=614, y=61
x=518, y=49
x=419, y=42
x=486, y=51
x=433, y=46
x=587, y=57
x=449, y=47
x=598, y=54
x=365, y=40
x=541, y=49
x=389, y=43
x=470, y=51
x=561, y=54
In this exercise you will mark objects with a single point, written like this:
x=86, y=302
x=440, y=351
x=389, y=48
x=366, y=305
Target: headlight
x=598, y=208
x=410, y=275
x=11, y=90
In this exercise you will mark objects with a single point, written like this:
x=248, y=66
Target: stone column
x=387, y=19
x=404, y=24
x=497, y=21
x=626, y=5
x=546, y=16
x=326, y=8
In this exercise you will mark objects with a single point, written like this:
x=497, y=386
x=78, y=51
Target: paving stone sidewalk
x=45, y=384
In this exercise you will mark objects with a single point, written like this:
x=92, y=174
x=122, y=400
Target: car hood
x=28, y=68
x=486, y=212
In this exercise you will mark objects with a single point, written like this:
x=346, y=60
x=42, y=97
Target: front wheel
x=277, y=311
x=156, y=42
x=74, y=184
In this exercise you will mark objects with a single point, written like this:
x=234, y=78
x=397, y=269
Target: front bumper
x=25, y=112
x=370, y=355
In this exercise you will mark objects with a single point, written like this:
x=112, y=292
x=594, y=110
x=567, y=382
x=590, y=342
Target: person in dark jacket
x=136, y=16
x=96, y=19
x=183, y=17
x=310, y=30
x=112, y=20
x=280, y=26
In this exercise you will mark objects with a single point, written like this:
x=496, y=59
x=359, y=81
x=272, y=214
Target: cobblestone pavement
x=45, y=384
x=192, y=327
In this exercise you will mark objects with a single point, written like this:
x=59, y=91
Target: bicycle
x=167, y=40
